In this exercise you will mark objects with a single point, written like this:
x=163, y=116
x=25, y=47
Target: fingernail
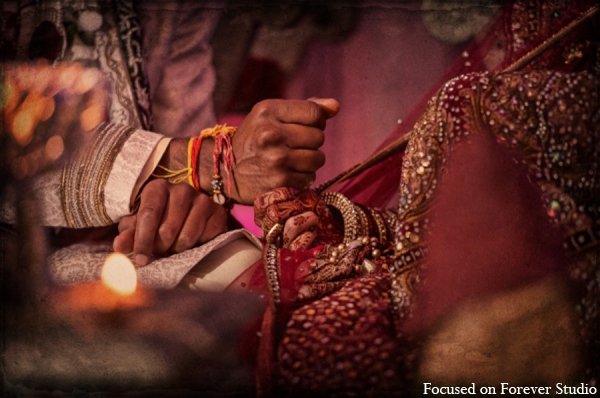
x=141, y=259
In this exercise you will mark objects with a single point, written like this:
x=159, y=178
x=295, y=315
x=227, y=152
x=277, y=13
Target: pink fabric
x=377, y=73
x=505, y=239
x=377, y=186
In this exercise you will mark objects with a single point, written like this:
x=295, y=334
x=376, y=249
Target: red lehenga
x=354, y=291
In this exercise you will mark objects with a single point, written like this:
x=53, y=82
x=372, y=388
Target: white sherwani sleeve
x=98, y=186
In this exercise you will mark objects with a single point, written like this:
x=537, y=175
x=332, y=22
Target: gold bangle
x=364, y=226
x=347, y=210
x=271, y=263
x=380, y=222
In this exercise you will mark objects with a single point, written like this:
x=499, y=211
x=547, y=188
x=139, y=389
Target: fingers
x=297, y=225
x=306, y=113
x=171, y=218
x=330, y=106
x=297, y=136
x=303, y=121
x=215, y=226
x=304, y=240
x=181, y=197
x=277, y=145
x=123, y=243
x=286, y=136
x=293, y=160
x=205, y=221
x=305, y=160
x=152, y=205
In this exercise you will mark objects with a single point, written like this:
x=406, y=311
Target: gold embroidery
x=83, y=180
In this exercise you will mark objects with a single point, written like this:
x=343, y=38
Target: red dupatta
x=376, y=185
x=373, y=186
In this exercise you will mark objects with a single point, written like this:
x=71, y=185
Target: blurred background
x=377, y=58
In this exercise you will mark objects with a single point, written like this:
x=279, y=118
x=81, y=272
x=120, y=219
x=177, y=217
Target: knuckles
x=262, y=109
x=269, y=135
x=182, y=191
x=148, y=212
x=184, y=242
x=168, y=232
x=275, y=159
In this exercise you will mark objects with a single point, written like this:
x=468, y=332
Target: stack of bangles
x=223, y=151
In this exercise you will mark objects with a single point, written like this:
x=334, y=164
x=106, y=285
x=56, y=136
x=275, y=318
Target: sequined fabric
x=532, y=22
x=550, y=118
x=329, y=339
x=345, y=333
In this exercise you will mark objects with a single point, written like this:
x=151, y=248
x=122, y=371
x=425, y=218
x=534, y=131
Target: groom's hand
x=277, y=145
x=170, y=219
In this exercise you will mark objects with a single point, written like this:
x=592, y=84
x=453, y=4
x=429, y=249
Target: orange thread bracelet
x=223, y=150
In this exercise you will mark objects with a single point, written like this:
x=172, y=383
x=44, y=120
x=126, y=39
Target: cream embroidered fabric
x=127, y=171
x=131, y=167
x=83, y=262
x=149, y=167
x=218, y=269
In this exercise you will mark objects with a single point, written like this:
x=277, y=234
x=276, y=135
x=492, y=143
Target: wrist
x=200, y=163
x=216, y=163
x=175, y=157
x=205, y=165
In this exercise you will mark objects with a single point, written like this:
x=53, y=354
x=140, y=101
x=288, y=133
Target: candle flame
x=118, y=274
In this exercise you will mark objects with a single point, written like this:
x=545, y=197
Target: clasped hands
x=277, y=145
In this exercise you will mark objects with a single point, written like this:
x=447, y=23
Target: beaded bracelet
x=348, y=212
x=364, y=224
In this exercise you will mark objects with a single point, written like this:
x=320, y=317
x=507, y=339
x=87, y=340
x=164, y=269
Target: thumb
x=329, y=105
